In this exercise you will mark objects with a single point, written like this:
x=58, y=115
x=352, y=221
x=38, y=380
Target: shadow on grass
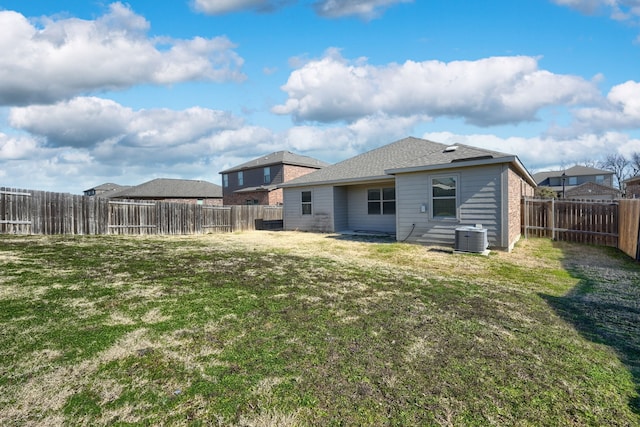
x=364, y=236
x=605, y=305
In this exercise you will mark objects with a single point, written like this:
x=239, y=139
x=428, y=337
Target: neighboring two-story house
x=579, y=182
x=256, y=181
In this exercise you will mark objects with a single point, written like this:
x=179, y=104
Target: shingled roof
x=576, y=170
x=279, y=157
x=406, y=155
x=165, y=188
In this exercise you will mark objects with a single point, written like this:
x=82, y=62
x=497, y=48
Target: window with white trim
x=267, y=175
x=381, y=201
x=444, y=200
x=306, y=202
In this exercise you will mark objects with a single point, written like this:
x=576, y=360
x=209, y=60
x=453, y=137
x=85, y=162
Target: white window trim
x=306, y=203
x=442, y=218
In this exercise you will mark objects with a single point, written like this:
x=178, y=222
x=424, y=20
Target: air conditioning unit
x=471, y=239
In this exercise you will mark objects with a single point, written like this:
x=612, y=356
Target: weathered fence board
x=609, y=223
x=41, y=212
x=14, y=218
x=591, y=222
x=629, y=241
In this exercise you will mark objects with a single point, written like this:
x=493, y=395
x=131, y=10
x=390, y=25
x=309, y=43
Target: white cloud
x=334, y=144
x=87, y=121
x=75, y=123
x=620, y=10
x=219, y=7
x=62, y=58
x=485, y=92
x=366, y=9
x=620, y=111
x=15, y=148
x=164, y=127
x=546, y=153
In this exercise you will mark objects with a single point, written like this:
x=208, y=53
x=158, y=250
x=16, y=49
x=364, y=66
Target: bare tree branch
x=619, y=165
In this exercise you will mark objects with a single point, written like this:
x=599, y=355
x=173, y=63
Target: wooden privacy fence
x=42, y=212
x=609, y=223
x=629, y=241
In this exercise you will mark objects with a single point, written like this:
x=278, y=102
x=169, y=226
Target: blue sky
x=94, y=92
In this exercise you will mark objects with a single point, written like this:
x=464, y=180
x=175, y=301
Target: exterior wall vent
x=471, y=239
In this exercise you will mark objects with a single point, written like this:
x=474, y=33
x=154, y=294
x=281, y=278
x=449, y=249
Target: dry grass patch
x=279, y=328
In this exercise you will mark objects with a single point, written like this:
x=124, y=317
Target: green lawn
x=288, y=329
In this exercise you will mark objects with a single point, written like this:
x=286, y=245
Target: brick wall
x=518, y=188
x=633, y=190
x=262, y=198
x=293, y=172
x=592, y=190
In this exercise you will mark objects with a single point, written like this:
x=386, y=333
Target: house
x=593, y=191
x=419, y=190
x=632, y=187
x=568, y=179
x=103, y=189
x=173, y=190
x=256, y=181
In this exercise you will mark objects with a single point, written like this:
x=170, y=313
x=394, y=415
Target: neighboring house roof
x=592, y=189
x=259, y=188
x=279, y=157
x=106, y=187
x=406, y=155
x=572, y=171
x=165, y=188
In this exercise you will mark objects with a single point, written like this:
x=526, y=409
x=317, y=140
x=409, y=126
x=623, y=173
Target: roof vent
x=450, y=148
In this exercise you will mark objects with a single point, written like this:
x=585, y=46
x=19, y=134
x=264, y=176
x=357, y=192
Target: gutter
x=338, y=182
x=465, y=164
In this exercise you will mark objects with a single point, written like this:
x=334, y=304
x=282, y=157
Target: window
x=381, y=201
x=599, y=179
x=573, y=180
x=267, y=175
x=443, y=197
x=306, y=203
x=225, y=181
x=240, y=178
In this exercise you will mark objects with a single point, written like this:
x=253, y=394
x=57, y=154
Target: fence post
x=553, y=219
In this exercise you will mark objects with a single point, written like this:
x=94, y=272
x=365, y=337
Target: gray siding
x=359, y=219
x=321, y=219
x=340, y=209
x=479, y=198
